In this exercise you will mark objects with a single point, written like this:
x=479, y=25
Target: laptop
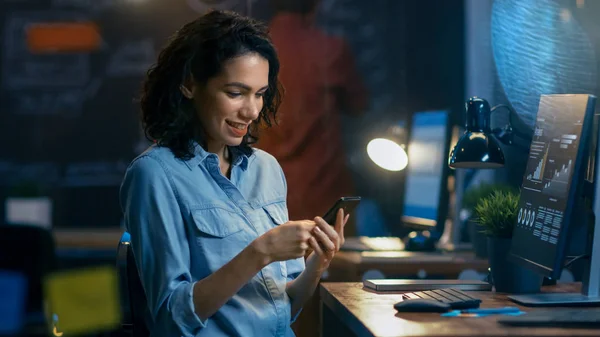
x=400, y=285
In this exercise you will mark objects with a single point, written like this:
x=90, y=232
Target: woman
x=207, y=214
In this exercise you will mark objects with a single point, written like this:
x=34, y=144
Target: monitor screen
x=549, y=183
x=425, y=175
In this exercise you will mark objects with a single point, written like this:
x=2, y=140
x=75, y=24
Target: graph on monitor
x=548, y=180
x=551, y=162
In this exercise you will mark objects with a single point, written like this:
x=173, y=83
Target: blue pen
x=490, y=311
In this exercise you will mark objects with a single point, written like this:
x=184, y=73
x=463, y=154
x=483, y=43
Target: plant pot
x=478, y=239
x=507, y=276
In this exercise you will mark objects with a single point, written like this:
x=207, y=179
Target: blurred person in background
x=322, y=82
x=213, y=244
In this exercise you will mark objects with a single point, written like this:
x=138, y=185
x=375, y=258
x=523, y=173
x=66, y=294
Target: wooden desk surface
x=104, y=239
x=349, y=265
x=370, y=314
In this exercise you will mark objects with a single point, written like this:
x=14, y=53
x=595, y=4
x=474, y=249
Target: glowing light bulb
x=387, y=154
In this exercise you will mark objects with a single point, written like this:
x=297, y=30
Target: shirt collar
x=239, y=157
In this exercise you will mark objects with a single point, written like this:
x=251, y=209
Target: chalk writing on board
x=92, y=88
x=78, y=174
x=94, y=173
x=91, y=5
x=47, y=103
x=42, y=172
x=49, y=83
x=67, y=102
x=132, y=58
x=22, y=69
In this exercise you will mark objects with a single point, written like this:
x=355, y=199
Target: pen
x=505, y=310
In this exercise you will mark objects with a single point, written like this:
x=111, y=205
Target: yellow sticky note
x=85, y=300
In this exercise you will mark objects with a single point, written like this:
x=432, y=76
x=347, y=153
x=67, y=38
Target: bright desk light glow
x=387, y=154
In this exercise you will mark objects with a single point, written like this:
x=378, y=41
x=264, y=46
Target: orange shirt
x=321, y=81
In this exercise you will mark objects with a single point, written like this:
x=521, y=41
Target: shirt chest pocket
x=278, y=214
x=220, y=234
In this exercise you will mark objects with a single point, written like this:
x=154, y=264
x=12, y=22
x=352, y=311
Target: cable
x=511, y=114
x=575, y=258
x=510, y=111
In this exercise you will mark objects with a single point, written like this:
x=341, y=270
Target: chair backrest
x=122, y=248
x=29, y=250
x=133, y=298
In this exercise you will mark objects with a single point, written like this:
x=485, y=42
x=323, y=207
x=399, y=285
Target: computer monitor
x=426, y=184
x=556, y=190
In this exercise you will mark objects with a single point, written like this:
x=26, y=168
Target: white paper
x=29, y=211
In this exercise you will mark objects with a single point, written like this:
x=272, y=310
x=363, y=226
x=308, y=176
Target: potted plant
x=496, y=216
x=470, y=199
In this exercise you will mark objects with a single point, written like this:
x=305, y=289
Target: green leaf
x=496, y=214
x=474, y=194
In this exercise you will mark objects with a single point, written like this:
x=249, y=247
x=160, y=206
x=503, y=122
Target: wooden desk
x=349, y=310
x=348, y=266
x=98, y=239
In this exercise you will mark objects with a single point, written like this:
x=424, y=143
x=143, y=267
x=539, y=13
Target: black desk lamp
x=478, y=147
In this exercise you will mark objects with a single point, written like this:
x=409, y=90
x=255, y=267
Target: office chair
x=133, y=298
x=29, y=250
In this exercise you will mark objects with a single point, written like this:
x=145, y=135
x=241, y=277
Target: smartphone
x=346, y=203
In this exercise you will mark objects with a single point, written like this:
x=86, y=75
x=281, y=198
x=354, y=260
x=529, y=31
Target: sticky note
x=85, y=300
x=13, y=295
x=63, y=37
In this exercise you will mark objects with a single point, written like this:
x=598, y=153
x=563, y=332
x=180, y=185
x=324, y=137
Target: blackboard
x=68, y=120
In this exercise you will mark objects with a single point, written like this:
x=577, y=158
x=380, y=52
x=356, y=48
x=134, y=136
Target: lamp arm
x=510, y=129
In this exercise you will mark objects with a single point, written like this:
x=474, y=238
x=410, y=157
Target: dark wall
x=69, y=121
x=434, y=66
x=435, y=55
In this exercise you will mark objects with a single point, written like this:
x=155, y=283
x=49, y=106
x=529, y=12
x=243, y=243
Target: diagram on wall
x=541, y=49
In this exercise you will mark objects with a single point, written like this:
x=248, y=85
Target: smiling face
x=230, y=101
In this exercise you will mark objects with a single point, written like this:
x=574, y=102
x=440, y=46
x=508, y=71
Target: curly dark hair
x=200, y=48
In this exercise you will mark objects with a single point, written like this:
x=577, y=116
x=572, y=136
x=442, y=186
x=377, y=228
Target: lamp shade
x=477, y=147
x=477, y=150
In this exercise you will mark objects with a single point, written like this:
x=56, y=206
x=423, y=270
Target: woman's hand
x=326, y=240
x=285, y=242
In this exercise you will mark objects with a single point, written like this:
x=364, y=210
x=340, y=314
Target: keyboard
x=457, y=299
x=589, y=318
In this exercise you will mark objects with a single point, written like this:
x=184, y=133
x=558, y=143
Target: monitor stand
x=555, y=300
x=590, y=290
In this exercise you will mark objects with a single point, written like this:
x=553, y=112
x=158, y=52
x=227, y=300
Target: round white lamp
x=387, y=154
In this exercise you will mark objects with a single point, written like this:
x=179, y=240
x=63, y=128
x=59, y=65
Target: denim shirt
x=187, y=220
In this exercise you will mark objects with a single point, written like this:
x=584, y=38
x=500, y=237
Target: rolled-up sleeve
x=158, y=238
x=296, y=266
x=294, y=269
